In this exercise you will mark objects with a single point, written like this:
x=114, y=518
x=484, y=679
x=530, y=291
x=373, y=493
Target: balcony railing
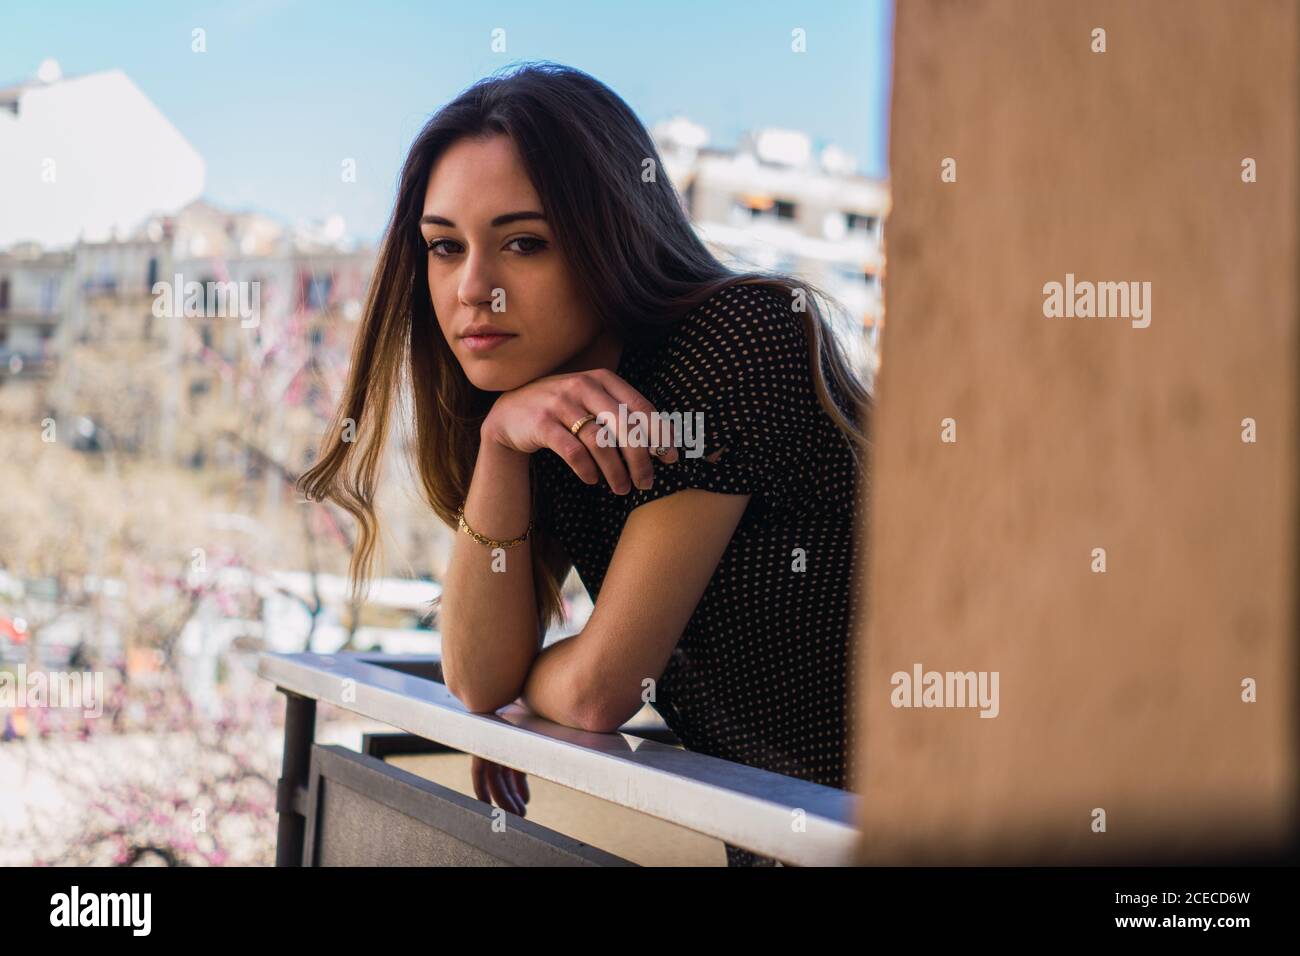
x=792, y=820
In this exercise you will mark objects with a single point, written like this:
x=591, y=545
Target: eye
x=435, y=244
x=538, y=245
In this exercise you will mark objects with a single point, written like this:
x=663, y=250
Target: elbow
x=600, y=724
x=487, y=705
x=483, y=686
x=448, y=679
x=599, y=700
x=476, y=700
x=482, y=704
x=602, y=716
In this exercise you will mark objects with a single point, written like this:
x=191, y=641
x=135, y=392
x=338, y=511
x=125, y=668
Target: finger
x=638, y=412
x=476, y=775
x=602, y=437
x=493, y=789
x=501, y=792
x=602, y=444
x=523, y=785
x=640, y=463
x=575, y=454
x=605, y=460
x=621, y=391
x=520, y=782
x=516, y=801
x=512, y=781
x=635, y=457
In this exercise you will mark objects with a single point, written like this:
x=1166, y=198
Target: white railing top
x=793, y=820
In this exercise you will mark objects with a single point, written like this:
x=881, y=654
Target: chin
x=495, y=379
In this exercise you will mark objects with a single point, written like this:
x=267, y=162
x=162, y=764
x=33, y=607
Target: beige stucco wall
x=1118, y=690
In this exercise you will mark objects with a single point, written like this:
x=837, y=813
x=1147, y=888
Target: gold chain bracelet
x=484, y=540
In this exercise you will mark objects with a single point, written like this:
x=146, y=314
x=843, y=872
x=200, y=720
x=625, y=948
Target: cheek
x=567, y=317
x=435, y=286
x=441, y=297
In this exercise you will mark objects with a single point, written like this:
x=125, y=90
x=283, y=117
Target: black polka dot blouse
x=761, y=674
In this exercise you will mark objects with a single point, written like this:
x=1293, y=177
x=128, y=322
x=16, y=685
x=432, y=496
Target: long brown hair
x=630, y=246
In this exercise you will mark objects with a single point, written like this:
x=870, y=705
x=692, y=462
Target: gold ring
x=659, y=452
x=577, y=426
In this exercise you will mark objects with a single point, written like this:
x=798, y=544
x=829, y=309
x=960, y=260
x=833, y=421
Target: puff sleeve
x=737, y=371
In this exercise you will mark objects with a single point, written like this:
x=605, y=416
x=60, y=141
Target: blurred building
x=80, y=280
x=155, y=375
x=775, y=203
x=34, y=291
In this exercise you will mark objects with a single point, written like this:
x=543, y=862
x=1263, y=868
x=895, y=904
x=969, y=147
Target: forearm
x=553, y=688
x=488, y=620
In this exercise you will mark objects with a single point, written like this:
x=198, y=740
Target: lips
x=486, y=340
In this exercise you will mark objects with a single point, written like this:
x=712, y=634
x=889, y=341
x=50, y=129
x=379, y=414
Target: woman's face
x=494, y=261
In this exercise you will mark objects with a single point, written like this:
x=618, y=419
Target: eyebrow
x=502, y=220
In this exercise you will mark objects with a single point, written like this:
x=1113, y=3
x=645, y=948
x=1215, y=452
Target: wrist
x=491, y=444
x=487, y=433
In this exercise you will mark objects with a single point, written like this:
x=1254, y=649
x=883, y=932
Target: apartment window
x=210, y=302
x=49, y=295
x=152, y=275
x=765, y=207
x=316, y=291
x=4, y=295
x=861, y=223
x=318, y=295
x=103, y=282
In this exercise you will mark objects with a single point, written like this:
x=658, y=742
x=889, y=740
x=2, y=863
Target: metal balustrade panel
x=362, y=812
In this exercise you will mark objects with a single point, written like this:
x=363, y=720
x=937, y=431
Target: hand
x=538, y=415
x=508, y=788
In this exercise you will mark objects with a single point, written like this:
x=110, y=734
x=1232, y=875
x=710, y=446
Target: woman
x=537, y=273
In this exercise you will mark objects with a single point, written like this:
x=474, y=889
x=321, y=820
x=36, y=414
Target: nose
x=476, y=283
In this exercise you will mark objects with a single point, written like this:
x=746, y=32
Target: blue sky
x=288, y=88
